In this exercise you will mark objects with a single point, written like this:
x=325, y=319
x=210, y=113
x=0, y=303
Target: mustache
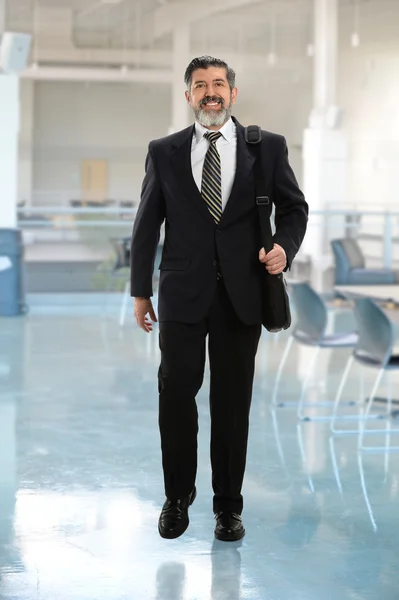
x=211, y=99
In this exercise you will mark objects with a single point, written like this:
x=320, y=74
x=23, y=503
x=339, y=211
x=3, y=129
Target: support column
x=12, y=301
x=324, y=143
x=2, y=16
x=9, y=128
x=326, y=53
x=8, y=453
x=13, y=363
x=181, y=58
x=26, y=141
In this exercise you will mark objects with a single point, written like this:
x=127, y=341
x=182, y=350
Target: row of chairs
x=120, y=269
x=121, y=247
x=372, y=347
x=350, y=268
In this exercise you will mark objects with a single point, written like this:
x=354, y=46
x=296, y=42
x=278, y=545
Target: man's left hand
x=275, y=260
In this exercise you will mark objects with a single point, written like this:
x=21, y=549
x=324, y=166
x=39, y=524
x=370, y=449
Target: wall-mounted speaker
x=14, y=52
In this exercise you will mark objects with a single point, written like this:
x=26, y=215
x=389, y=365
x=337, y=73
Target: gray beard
x=213, y=118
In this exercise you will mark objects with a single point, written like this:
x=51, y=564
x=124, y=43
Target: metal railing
x=67, y=240
x=368, y=227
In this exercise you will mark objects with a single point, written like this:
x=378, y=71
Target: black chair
x=122, y=252
x=122, y=261
x=350, y=266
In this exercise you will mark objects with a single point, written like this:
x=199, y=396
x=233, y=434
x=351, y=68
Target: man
x=200, y=181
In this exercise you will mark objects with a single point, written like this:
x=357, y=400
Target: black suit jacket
x=195, y=248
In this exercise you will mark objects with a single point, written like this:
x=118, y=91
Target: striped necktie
x=211, y=187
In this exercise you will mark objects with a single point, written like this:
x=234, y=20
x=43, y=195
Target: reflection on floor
x=81, y=486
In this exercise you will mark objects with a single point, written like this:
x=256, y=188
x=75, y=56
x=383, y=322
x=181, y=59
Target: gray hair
x=204, y=62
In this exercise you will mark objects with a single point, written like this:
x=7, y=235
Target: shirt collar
x=227, y=131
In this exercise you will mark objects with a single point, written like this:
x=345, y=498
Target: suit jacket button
x=214, y=263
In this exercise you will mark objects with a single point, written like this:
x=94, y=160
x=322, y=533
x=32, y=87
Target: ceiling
x=250, y=27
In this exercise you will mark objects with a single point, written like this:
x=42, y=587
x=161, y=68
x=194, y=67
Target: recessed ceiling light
x=272, y=58
x=355, y=39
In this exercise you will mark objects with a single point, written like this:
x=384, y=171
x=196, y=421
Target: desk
x=382, y=293
x=388, y=295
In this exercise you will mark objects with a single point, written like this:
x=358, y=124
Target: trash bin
x=12, y=300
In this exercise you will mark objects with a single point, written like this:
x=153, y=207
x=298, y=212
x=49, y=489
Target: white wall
x=278, y=102
x=9, y=126
x=115, y=122
x=76, y=121
x=369, y=91
x=25, y=174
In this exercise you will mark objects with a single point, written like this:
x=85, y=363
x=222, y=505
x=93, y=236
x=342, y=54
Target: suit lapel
x=242, y=197
x=180, y=162
x=240, y=200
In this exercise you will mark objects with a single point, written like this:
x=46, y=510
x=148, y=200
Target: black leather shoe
x=173, y=520
x=229, y=527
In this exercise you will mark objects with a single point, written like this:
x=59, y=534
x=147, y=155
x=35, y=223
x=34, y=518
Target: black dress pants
x=232, y=347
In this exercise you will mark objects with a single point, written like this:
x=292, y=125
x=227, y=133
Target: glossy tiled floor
x=81, y=485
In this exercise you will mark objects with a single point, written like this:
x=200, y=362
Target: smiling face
x=210, y=97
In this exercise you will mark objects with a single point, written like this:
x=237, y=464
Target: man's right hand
x=144, y=313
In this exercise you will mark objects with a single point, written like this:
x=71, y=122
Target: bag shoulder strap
x=253, y=137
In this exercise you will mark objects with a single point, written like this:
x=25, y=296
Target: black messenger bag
x=276, y=313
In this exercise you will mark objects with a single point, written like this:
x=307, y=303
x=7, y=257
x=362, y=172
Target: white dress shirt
x=227, y=148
